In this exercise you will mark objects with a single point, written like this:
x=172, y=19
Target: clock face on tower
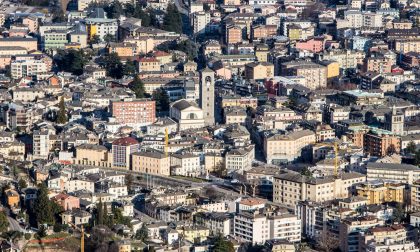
x=208, y=80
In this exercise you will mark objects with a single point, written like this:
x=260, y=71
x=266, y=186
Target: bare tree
x=327, y=242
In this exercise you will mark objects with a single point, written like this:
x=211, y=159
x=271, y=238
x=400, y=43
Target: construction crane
x=82, y=236
x=335, y=147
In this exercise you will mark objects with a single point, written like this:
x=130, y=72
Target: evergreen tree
x=172, y=21
x=113, y=65
x=42, y=207
x=144, y=16
x=22, y=184
x=411, y=148
x=129, y=181
x=162, y=100
x=62, y=116
x=222, y=245
x=130, y=67
x=94, y=40
x=99, y=213
x=142, y=234
x=4, y=222
x=138, y=87
x=71, y=60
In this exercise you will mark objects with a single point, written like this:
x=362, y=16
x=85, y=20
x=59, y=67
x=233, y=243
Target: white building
x=239, y=160
x=185, y=165
x=29, y=67
x=187, y=114
x=199, y=21
x=40, y=144
x=79, y=184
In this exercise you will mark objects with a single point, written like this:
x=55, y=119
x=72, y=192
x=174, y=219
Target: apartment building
x=199, y=21
x=399, y=173
x=218, y=223
x=259, y=32
x=292, y=187
x=239, y=101
x=40, y=144
x=149, y=64
x=379, y=64
x=285, y=148
x=155, y=163
x=407, y=45
x=239, y=160
x=379, y=192
x=259, y=70
x=101, y=26
x=29, y=67
x=30, y=44
x=233, y=34
x=315, y=74
x=92, y=155
x=122, y=149
x=346, y=59
x=358, y=19
x=76, y=184
x=350, y=229
x=396, y=233
x=415, y=195
x=134, y=112
x=54, y=39
x=185, y=165
x=123, y=49
x=256, y=227
x=381, y=143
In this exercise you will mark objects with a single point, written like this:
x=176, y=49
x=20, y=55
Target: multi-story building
x=101, y=26
x=134, y=112
x=383, y=236
x=92, y=155
x=256, y=227
x=40, y=144
x=399, y=173
x=76, y=184
x=121, y=152
x=233, y=34
x=315, y=74
x=185, y=165
x=54, y=39
x=415, y=194
x=30, y=44
x=239, y=101
x=291, y=187
x=199, y=21
x=381, y=143
x=378, y=192
x=379, y=64
x=30, y=67
x=407, y=45
x=240, y=159
x=350, y=229
x=347, y=59
x=123, y=49
x=259, y=70
x=284, y=148
x=156, y=163
x=394, y=122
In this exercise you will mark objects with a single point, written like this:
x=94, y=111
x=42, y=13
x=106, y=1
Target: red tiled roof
x=125, y=141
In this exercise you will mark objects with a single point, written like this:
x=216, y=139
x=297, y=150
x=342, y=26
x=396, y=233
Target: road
x=181, y=7
x=14, y=225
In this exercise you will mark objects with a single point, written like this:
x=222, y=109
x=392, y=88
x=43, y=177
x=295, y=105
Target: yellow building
x=147, y=64
x=294, y=32
x=381, y=192
x=151, y=163
x=12, y=198
x=333, y=68
x=94, y=155
x=193, y=234
x=258, y=71
x=261, y=53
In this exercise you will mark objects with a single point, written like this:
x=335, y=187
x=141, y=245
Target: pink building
x=314, y=45
x=66, y=201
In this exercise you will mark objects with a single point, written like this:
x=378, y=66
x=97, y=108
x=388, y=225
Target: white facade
x=200, y=20
x=79, y=184
x=185, y=165
x=22, y=68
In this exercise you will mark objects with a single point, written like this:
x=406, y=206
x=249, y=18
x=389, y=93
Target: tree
x=99, y=213
x=162, y=100
x=45, y=210
x=4, y=222
x=130, y=68
x=411, y=148
x=138, y=87
x=327, y=242
x=172, y=21
x=129, y=181
x=113, y=65
x=58, y=15
x=95, y=40
x=222, y=245
x=417, y=158
x=142, y=234
x=141, y=14
x=391, y=150
x=398, y=214
x=22, y=184
x=62, y=114
x=306, y=172
x=109, y=38
x=71, y=60
x=189, y=47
